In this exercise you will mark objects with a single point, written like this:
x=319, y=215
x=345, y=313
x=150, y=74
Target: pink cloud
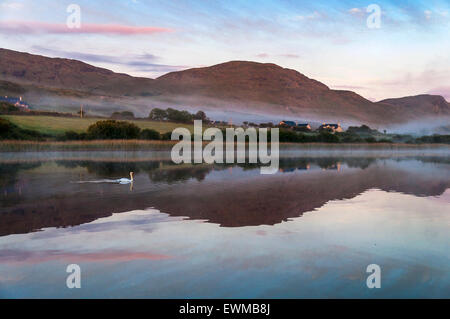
x=444, y=91
x=286, y=55
x=46, y=256
x=290, y=55
x=25, y=27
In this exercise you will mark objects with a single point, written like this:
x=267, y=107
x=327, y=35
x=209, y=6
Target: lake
x=224, y=231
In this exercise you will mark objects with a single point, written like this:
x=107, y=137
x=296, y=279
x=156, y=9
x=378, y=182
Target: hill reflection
x=40, y=195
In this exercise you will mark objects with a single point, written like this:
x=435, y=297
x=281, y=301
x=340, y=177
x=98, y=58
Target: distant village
x=306, y=127
x=301, y=127
x=16, y=101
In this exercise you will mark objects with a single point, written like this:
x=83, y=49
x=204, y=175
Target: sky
x=405, y=52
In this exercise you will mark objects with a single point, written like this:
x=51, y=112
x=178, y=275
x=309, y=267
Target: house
x=287, y=123
x=335, y=166
x=304, y=127
x=287, y=170
x=304, y=167
x=331, y=127
x=17, y=102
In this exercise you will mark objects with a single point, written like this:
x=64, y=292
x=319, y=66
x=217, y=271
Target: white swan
x=120, y=180
x=126, y=180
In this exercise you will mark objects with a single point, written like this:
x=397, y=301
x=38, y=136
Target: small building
x=305, y=127
x=287, y=123
x=331, y=127
x=17, y=102
x=335, y=166
x=304, y=167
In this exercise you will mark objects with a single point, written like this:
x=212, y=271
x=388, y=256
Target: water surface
x=219, y=231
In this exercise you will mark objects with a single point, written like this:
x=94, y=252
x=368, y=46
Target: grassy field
x=55, y=125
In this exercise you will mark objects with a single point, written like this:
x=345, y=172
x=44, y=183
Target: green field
x=57, y=125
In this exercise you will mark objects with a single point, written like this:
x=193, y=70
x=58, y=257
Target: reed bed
x=143, y=145
x=99, y=145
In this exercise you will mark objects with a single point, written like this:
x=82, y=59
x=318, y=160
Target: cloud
x=428, y=14
x=141, y=62
x=312, y=16
x=290, y=56
x=286, y=55
x=11, y=5
x=137, y=59
x=349, y=87
x=424, y=78
x=27, y=27
x=355, y=11
x=163, y=68
x=443, y=91
x=428, y=81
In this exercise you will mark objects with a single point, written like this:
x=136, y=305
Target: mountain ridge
x=228, y=86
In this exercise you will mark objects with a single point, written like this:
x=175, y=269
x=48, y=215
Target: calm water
x=224, y=231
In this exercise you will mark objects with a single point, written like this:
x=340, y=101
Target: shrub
x=174, y=115
x=11, y=131
x=157, y=114
x=434, y=139
x=327, y=137
x=7, y=107
x=149, y=134
x=349, y=137
x=6, y=127
x=179, y=116
x=166, y=136
x=200, y=115
x=268, y=124
x=112, y=129
x=370, y=139
x=73, y=136
x=286, y=135
x=360, y=129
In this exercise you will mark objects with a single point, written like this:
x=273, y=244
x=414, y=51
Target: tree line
x=173, y=115
x=169, y=114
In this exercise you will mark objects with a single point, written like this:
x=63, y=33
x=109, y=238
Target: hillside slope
x=251, y=87
x=434, y=104
x=288, y=91
x=66, y=74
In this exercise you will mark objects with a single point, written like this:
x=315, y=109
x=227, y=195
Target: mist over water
x=425, y=126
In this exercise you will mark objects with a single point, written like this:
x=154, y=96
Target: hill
x=69, y=74
x=431, y=103
x=236, y=86
x=270, y=88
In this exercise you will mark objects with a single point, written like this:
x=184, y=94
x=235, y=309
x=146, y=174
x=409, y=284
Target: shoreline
x=154, y=145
